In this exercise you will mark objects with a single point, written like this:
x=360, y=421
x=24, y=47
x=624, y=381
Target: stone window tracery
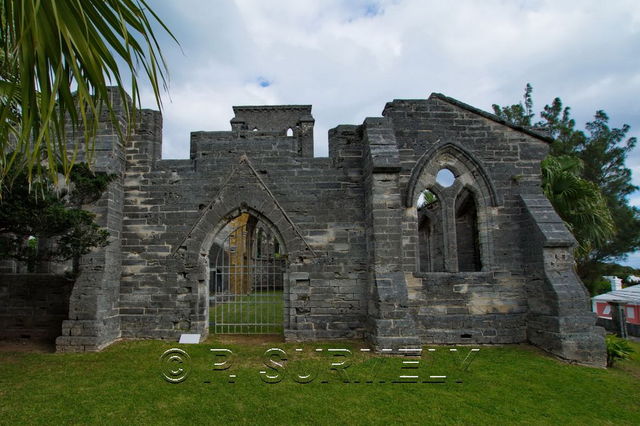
x=452, y=199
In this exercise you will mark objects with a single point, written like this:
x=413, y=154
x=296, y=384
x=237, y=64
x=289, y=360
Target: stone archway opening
x=247, y=278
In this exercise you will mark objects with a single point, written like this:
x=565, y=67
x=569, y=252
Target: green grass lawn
x=258, y=312
x=123, y=385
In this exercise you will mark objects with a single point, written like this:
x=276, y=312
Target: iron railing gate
x=246, y=282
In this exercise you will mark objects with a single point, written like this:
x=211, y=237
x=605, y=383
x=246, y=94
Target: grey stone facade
x=498, y=269
x=33, y=306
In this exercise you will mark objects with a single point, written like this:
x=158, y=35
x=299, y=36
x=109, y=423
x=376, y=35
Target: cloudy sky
x=349, y=57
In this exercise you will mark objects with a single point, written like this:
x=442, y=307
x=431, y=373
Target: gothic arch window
x=454, y=229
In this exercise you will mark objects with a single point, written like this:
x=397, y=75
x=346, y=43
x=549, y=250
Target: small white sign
x=189, y=339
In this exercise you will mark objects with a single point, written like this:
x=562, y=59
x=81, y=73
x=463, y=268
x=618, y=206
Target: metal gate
x=247, y=277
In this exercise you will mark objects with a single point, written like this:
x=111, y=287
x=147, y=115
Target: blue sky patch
x=372, y=9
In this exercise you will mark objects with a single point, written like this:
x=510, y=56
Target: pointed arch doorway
x=247, y=278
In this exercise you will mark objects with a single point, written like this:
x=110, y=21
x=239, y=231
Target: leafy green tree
x=557, y=121
x=604, y=152
x=42, y=211
x=599, y=155
x=57, y=60
x=519, y=114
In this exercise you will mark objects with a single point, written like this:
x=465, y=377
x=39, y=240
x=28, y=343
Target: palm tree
x=57, y=60
x=579, y=203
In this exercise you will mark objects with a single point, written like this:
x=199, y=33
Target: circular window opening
x=445, y=178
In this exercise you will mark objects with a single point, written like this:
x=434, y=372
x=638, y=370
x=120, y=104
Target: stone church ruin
x=252, y=234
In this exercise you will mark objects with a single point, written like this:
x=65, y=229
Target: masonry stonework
x=33, y=306
x=494, y=264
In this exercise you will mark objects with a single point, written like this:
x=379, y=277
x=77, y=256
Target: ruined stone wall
x=94, y=305
x=242, y=170
x=495, y=163
x=33, y=306
x=500, y=165
x=349, y=227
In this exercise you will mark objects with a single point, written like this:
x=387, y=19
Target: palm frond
x=579, y=202
x=58, y=60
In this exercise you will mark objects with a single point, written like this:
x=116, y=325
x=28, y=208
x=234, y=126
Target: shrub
x=41, y=212
x=617, y=348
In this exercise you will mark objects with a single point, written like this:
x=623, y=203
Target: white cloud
x=348, y=61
